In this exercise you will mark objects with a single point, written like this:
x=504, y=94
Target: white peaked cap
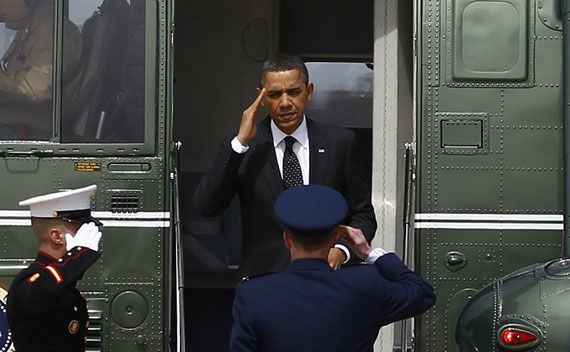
x=48, y=205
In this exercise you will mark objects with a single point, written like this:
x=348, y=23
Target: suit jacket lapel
x=319, y=151
x=269, y=168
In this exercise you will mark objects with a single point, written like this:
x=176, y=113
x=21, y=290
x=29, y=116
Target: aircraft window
x=103, y=96
x=26, y=69
x=343, y=94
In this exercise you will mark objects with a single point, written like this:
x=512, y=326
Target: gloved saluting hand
x=88, y=236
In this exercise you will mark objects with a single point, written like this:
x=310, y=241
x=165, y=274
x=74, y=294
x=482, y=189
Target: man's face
x=286, y=98
x=12, y=10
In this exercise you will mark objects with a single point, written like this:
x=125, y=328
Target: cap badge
x=54, y=214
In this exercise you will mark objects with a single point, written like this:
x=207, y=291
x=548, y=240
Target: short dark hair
x=42, y=226
x=284, y=62
x=311, y=243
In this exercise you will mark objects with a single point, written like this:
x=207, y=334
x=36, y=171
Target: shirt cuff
x=238, y=147
x=374, y=255
x=345, y=250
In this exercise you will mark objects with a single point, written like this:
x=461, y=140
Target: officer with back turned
x=310, y=307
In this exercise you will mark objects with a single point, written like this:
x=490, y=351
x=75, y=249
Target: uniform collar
x=23, y=23
x=45, y=258
x=308, y=264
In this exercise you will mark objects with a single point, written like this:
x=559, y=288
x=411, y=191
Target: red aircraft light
x=513, y=337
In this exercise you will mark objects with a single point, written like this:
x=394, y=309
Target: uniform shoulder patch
x=33, y=278
x=55, y=273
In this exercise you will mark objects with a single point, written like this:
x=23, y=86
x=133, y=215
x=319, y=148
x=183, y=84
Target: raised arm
x=219, y=184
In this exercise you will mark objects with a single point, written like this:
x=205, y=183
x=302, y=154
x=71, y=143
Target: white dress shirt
x=374, y=255
x=300, y=147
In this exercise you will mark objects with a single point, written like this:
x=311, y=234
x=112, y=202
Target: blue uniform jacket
x=309, y=307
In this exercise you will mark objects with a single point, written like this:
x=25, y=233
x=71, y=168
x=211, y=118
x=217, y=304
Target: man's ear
x=56, y=236
x=310, y=88
x=287, y=239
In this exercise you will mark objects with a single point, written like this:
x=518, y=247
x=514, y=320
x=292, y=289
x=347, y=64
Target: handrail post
x=564, y=7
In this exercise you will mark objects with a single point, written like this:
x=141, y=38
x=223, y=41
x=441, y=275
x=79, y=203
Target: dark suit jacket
x=255, y=177
x=309, y=307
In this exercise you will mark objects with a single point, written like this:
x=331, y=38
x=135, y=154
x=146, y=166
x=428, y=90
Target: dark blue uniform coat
x=254, y=176
x=46, y=312
x=309, y=307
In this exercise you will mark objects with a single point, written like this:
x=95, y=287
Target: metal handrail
x=564, y=7
x=408, y=194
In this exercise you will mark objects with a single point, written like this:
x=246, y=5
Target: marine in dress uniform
x=46, y=312
x=310, y=307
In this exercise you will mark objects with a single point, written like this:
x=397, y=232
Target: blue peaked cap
x=311, y=211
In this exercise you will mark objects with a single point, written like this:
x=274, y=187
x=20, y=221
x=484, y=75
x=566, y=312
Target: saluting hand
x=88, y=236
x=248, y=126
x=355, y=239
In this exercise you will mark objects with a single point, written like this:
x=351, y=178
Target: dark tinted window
x=26, y=69
x=103, y=94
x=327, y=29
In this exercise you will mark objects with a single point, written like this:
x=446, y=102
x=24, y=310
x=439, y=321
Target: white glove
x=69, y=241
x=88, y=236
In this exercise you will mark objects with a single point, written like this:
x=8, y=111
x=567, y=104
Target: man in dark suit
x=259, y=163
x=308, y=306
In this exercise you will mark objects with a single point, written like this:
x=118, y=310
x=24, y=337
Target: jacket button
x=73, y=327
